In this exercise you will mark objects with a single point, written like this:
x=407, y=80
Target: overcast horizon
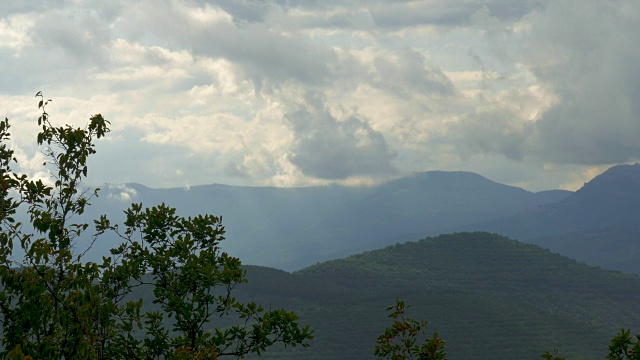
x=538, y=94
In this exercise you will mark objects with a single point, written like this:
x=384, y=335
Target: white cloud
x=121, y=192
x=14, y=32
x=217, y=89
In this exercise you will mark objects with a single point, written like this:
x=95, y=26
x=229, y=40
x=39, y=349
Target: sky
x=534, y=93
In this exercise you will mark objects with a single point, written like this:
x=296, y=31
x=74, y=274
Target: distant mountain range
x=598, y=224
x=290, y=228
x=487, y=296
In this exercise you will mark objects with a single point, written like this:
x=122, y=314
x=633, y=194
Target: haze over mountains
x=598, y=224
x=290, y=228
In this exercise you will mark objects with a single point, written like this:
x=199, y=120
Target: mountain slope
x=410, y=207
x=295, y=227
x=599, y=223
x=616, y=247
x=487, y=296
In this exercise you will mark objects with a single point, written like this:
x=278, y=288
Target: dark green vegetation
x=597, y=224
x=56, y=305
x=623, y=346
x=487, y=296
x=406, y=338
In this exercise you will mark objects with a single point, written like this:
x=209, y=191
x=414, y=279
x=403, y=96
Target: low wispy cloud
x=121, y=192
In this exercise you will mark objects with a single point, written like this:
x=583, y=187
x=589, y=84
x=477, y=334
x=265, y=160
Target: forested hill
x=489, y=297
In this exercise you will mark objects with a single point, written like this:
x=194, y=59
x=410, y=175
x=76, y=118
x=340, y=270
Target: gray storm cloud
x=263, y=52
x=474, y=85
x=410, y=75
x=399, y=14
x=580, y=53
x=328, y=148
x=584, y=51
x=243, y=11
x=492, y=132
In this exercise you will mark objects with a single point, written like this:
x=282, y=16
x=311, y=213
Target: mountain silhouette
x=598, y=224
x=290, y=228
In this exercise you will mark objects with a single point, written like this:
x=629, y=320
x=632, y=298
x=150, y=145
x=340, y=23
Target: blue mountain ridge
x=290, y=228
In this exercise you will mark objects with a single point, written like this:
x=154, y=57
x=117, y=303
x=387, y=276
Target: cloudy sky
x=536, y=93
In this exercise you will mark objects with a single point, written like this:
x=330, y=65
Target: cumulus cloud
x=220, y=88
x=245, y=11
x=328, y=148
x=394, y=14
x=407, y=74
x=264, y=51
x=578, y=104
x=582, y=53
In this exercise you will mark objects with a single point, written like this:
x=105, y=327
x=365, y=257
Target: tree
x=400, y=340
x=56, y=305
x=551, y=355
x=623, y=347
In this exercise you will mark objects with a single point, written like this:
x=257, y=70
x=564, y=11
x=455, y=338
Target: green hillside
x=487, y=296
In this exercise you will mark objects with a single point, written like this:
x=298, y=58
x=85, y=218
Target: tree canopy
x=56, y=305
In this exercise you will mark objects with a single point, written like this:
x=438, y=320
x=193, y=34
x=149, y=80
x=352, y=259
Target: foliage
x=623, y=347
x=400, y=340
x=56, y=305
x=551, y=355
